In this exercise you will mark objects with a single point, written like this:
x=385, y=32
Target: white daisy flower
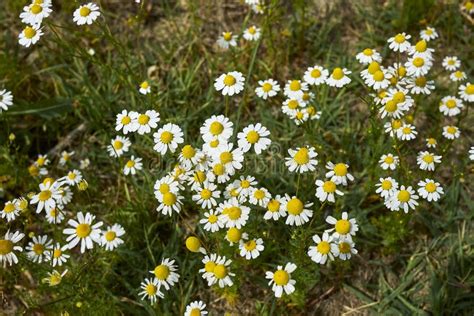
x=10, y=211
x=339, y=77
x=451, y=63
x=48, y=197
x=233, y=213
x=38, y=248
x=389, y=161
x=302, y=159
x=429, y=34
x=323, y=248
x=471, y=153
x=233, y=235
x=344, y=228
x=145, y=122
x=86, y=14
x=245, y=185
x=338, y=173
x=217, y=127
x=418, y=66
x=151, y=290
x=291, y=105
x=407, y=132
x=450, y=106
x=54, y=278
x=55, y=215
x=6, y=100
x=57, y=255
x=327, y=191
x=259, y=196
x=251, y=249
x=34, y=14
x=30, y=35
x=315, y=75
x=72, y=178
x=368, y=55
x=451, y=132
x=252, y=33
x=230, y=83
x=226, y=40
x=196, y=308
x=431, y=143
x=166, y=274
x=188, y=156
x=430, y=190
x=206, y=195
x=209, y=262
x=231, y=159
x=427, y=160
x=124, y=122
x=219, y=172
x=403, y=198
x=170, y=201
x=458, y=76
x=66, y=196
x=256, y=136
x=267, y=88
x=167, y=138
x=312, y=113
x=84, y=163
x=420, y=85
x=110, y=238
x=275, y=208
x=119, y=145
x=212, y=221
x=344, y=250
x=221, y=274
x=294, y=89
x=466, y=92
x=281, y=280
x=196, y=179
x=144, y=88
x=8, y=248
x=132, y=165
x=378, y=80
x=399, y=43
x=386, y=187
x=65, y=157
x=83, y=231
x=392, y=109
x=298, y=212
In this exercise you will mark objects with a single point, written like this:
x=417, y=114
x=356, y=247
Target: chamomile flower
x=8, y=248
x=6, y=100
x=344, y=250
x=267, y=88
x=259, y=196
x=338, y=173
x=404, y=198
x=281, y=280
x=34, y=14
x=38, y=248
x=110, y=238
x=344, y=228
x=233, y=235
x=399, y=43
x=132, y=166
x=10, y=211
x=315, y=75
x=54, y=278
x=420, y=85
x=339, y=77
x=431, y=143
x=368, y=55
x=30, y=35
x=407, y=132
x=119, y=145
x=221, y=274
x=290, y=106
x=72, y=178
x=217, y=128
x=196, y=308
x=471, y=153
x=233, y=213
x=429, y=34
x=255, y=136
x=125, y=123
x=66, y=194
x=231, y=159
x=219, y=172
x=57, y=255
x=371, y=70
x=48, y=197
x=430, y=190
x=144, y=88
x=167, y=138
x=151, y=290
x=427, y=160
x=226, y=40
x=84, y=163
x=209, y=262
x=466, y=92
x=212, y=221
x=458, y=76
x=165, y=273
x=65, y=157
x=84, y=231
x=302, y=159
x=418, y=66
x=386, y=187
x=388, y=161
x=299, y=213
x=392, y=109
x=245, y=185
x=86, y=14
x=378, y=80
x=323, y=248
x=230, y=83
x=451, y=63
x=170, y=201
x=327, y=190
x=451, y=132
x=312, y=113
x=251, y=249
x=401, y=97
x=55, y=215
x=206, y=195
x=275, y=208
x=188, y=156
x=295, y=89
x=145, y=122
x=252, y=33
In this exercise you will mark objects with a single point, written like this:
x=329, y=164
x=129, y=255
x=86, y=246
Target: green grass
x=416, y=263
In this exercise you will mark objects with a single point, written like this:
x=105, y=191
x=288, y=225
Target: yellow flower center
x=212, y=219
x=252, y=30
x=110, y=235
x=267, y=87
x=420, y=82
x=469, y=89
x=391, y=106
x=329, y=187
x=430, y=187
x=399, y=38
x=216, y=128
x=169, y=199
x=295, y=206
x=418, y=62
x=6, y=246
x=38, y=249
x=206, y=194
x=378, y=76
x=195, y=312
x=233, y=234
x=83, y=230
x=218, y=169
x=144, y=85
x=302, y=157
x=459, y=74
x=368, y=52
x=421, y=46
x=403, y=196
x=259, y=194
x=57, y=253
x=164, y=188
x=126, y=120
x=9, y=207
x=295, y=85
x=118, y=144
x=84, y=11
x=143, y=119
x=315, y=73
x=428, y=31
x=402, y=71
x=323, y=247
x=150, y=289
x=281, y=277
x=245, y=184
x=44, y=195
x=340, y=169
x=210, y=266
x=343, y=226
x=250, y=245
x=226, y=157
x=252, y=137
x=36, y=8
x=162, y=272
x=389, y=159
x=293, y=104
x=451, y=130
x=386, y=184
x=399, y=97
x=229, y=80
x=193, y=244
x=234, y=213
x=273, y=206
x=406, y=130
x=337, y=73
x=428, y=158
x=29, y=32
x=220, y=271
x=166, y=137
x=188, y=152
x=373, y=67
x=130, y=164
x=200, y=176
x=227, y=36
x=344, y=247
